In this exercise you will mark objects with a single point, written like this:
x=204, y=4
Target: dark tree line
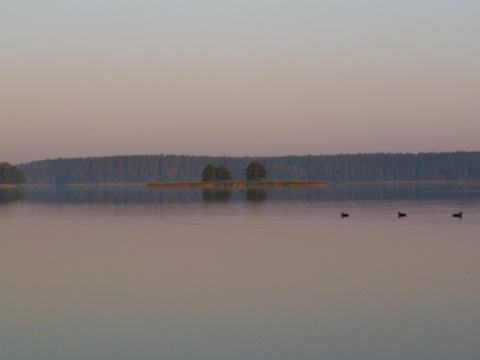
x=213, y=173
x=447, y=166
x=10, y=174
x=255, y=171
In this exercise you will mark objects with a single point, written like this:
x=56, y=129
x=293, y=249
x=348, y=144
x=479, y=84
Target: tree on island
x=213, y=173
x=10, y=174
x=255, y=171
x=208, y=173
x=223, y=173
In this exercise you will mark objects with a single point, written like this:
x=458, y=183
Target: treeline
x=10, y=174
x=448, y=166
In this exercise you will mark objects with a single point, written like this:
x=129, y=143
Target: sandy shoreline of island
x=234, y=184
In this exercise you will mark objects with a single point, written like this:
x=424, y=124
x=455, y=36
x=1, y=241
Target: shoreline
x=245, y=184
x=9, y=186
x=234, y=184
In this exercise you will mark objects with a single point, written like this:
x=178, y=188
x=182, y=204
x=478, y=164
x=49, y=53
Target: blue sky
x=93, y=78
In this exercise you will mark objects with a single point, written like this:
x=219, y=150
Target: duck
x=400, y=214
x=458, y=215
x=345, y=215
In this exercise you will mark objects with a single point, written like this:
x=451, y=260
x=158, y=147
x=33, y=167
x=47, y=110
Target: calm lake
x=131, y=273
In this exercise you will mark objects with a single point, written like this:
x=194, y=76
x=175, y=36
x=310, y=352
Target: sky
x=237, y=78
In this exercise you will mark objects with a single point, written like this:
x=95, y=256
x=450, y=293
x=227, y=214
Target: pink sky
x=243, y=78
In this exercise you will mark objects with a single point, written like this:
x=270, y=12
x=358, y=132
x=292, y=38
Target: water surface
x=132, y=273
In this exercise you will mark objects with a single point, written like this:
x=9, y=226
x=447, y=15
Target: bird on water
x=400, y=214
x=345, y=215
x=458, y=215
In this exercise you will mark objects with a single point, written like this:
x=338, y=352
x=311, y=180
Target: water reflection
x=216, y=195
x=256, y=195
x=283, y=280
x=330, y=194
x=11, y=195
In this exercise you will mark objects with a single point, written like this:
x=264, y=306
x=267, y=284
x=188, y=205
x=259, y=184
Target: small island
x=221, y=178
x=235, y=184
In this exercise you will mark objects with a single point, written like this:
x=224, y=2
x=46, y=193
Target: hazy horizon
x=237, y=78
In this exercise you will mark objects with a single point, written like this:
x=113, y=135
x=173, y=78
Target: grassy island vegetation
x=220, y=177
x=235, y=184
x=9, y=186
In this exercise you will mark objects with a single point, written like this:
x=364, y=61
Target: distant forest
x=10, y=174
x=447, y=166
